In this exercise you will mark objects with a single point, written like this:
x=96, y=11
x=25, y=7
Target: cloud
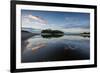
x=32, y=21
x=76, y=30
x=37, y=18
x=76, y=22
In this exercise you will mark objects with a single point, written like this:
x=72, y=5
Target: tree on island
x=52, y=31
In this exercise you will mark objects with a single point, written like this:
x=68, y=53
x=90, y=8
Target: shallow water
x=67, y=47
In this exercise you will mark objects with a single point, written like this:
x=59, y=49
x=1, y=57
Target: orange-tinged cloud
x=37, y=18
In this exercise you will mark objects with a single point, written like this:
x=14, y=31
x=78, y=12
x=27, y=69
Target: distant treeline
x=85, y=33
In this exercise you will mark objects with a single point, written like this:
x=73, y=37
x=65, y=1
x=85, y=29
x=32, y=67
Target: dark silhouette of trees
x=53, y=32
x=48, y=33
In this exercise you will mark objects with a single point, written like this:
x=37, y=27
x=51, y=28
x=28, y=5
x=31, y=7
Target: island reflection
x=41, y=48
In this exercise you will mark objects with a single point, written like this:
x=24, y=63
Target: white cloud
x=75, y=30
x=32, y=21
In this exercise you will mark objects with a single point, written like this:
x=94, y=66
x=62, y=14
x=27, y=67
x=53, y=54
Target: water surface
x=43, y=49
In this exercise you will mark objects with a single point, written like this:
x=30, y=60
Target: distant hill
x=31, y=30
x=25, y=34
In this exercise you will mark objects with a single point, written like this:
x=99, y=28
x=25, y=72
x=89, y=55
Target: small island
x=85, y=34
x=48, y=33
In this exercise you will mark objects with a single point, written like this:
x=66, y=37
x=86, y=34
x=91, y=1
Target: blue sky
x=55, y=20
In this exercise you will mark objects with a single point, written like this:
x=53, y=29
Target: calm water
x=67, y=47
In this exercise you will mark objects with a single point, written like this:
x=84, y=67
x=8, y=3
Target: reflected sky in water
x=67, y=47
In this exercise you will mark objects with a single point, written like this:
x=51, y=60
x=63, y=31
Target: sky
x=65, y=21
